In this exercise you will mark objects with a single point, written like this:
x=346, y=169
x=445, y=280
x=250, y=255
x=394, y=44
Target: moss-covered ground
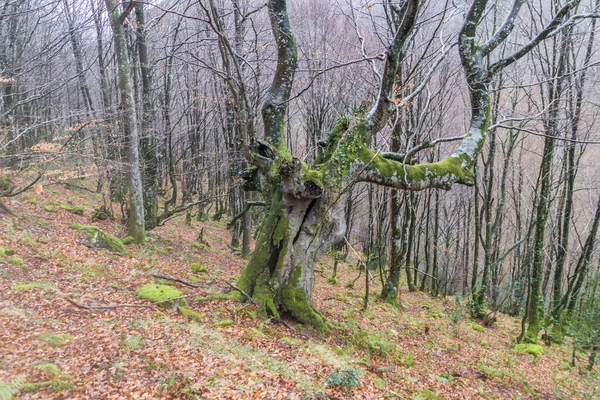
x=223, y=348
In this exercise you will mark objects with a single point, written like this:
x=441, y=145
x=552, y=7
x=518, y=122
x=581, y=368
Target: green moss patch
x=74, y=209
x=22, y=287
x=223, y=323
x=198, y=269
x=54, y=339
x=477, y=327
x=191, y=314
x=128, y=240
x=50, y=209
x=48, y=368
x=18, y=261
x=161, y=295
x=55, y=385
x=98, y=238
x=533, y=349
x=6, y=252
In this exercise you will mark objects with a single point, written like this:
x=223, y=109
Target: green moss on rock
x=6, y=252
x=198, y=268
x=533, y=349
x=98, y=238
x=223, y=323
x=128, y=240
x=161, y=295
x=48, y=368
x=54, y=339
x=35, y=285
x=191, y=314
x=55, y=385
x=50, y=209
x=314, y=176
x=18, y=261
x=74, y=209
x=477, y=327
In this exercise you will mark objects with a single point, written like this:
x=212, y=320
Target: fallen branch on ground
x=246, y=295
x=169, y=278
x=281, y=321
x=107, y=307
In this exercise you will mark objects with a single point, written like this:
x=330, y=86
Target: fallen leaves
x=119, y=350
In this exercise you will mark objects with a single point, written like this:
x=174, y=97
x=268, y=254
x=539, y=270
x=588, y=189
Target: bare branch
x=546, y=32
x=505, y=29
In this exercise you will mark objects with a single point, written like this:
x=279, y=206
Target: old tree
x=305, y=203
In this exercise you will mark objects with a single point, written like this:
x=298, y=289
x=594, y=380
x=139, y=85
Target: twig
x=73, y=186
x=234, y=250
x=108, y=307
x=246, y=295
x=335, y=298
x=290, y=327
x=169, y=278
x=89, y=246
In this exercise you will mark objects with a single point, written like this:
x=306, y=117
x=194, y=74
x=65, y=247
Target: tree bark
x=136, y=227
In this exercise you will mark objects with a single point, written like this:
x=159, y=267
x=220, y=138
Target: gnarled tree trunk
x=305, y=214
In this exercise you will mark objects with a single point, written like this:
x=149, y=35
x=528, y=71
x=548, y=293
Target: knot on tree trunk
x=299, y=181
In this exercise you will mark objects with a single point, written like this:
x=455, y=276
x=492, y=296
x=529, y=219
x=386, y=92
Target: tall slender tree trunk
x=148, y=137
x=129, y=124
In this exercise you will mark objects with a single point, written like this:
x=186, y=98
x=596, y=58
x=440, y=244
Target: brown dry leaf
x=38, y=188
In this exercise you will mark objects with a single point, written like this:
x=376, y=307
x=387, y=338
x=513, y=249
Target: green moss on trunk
x=294, y=300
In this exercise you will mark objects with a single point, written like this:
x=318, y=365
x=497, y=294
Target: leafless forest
x=330, y=128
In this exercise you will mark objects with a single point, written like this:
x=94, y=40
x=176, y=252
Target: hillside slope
x=57, y=343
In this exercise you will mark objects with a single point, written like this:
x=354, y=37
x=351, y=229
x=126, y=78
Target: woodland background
x=61, y=121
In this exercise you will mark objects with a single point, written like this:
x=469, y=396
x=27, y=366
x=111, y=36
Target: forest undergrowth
x=73, y=325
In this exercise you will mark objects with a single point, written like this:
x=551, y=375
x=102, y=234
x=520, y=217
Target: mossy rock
x=98, y=238
x=526, y=348
x=100, y=215
x=191, y=314
x=54, y=339
x=198, y=246
x=55, y=385
x=21, y=287
x=50, y=209
x=290, y=341
x=161, y=295
x=477, y=327
x=48, y=368
x=79, y=210
x=223, y=323
x=6, y=252
x=6, y=185
x=128, y=240
x=18, y=261
x=198, y=268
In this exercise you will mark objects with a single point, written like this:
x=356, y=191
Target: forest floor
x=52, y=348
